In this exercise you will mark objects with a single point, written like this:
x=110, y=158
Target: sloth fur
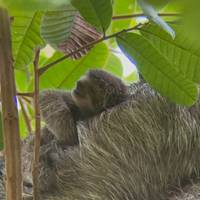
x=142, y=149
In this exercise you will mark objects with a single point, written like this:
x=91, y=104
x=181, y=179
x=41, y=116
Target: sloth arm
x=56, y=110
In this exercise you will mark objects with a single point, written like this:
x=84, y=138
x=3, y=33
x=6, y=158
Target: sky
x=128, y=66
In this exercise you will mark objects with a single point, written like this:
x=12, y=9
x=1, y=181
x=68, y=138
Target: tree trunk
x=10, y=114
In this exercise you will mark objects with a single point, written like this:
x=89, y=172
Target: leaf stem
x=122, y=17
x=25, y=94
x=46, y=67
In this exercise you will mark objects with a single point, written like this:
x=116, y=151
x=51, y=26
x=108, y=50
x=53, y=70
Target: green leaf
x=23, y=129
x=131, y=78
x=153, y=16
x=158, y=3
x=1, y=133
x=65, y=74
x=26, y=37
x=122, y=7
x=22, y=80
x=183, y=51
x=164, y=77
x=56, y=25
x=30, y=5
x=96, y=12
x=114, y=65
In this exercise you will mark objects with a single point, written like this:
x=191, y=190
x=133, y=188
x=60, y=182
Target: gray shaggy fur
x=94, y=93
x=143, y=149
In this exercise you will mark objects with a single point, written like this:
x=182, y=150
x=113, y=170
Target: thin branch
x=10, y=114
x=121, y=17
x=27, y=94
x=35, y=172
x=29, y=101
x=46, y=67
x=25, y=115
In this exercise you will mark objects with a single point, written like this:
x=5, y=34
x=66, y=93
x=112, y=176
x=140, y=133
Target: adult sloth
x=142, y=149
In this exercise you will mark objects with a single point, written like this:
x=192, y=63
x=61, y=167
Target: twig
x=28, y=94
x=29, y=101
x=10, y=113
x=46, y=67
x=121, y=17
x=25, y=115
x=35, y=171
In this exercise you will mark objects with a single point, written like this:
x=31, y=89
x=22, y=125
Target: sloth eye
x=79, y=85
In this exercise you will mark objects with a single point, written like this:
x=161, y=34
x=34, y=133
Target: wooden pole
x=10, y=113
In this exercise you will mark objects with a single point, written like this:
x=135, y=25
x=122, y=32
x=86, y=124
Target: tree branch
x=27, y=94
x=46, y=67
x=121, y=17
x=35, y=172
x=29, y=101
x=10, y=113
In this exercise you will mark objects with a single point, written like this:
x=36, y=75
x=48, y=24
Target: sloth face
x=82, y=95
x=97, y=91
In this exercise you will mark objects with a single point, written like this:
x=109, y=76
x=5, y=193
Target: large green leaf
x=65, y=74
x=158, y=3
x=30, y=5
x=26, y=37
x=96, y=12
x=152, y=15
x=22, y=80
x=121, y=7
x=114, y=65
x=56, y=25
x=157, y=70
x=183, y=51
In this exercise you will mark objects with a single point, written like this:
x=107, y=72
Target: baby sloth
x=94, y=93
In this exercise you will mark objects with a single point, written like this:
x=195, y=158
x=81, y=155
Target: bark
x=10, y=113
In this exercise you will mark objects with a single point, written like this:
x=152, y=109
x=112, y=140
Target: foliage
x=32, y=5
x=98, y=13
x=26, y=36
x=182, y=52
x=61, y=21
x=171, y=66
x=157, y=70
x=121, y=7
x=68, y=72
x=151, y=13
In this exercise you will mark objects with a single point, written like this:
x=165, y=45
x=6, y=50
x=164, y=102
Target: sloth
x=95, y=92
x=145, y=148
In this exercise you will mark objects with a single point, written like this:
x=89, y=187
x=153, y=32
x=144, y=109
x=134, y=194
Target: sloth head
x=99, y=90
